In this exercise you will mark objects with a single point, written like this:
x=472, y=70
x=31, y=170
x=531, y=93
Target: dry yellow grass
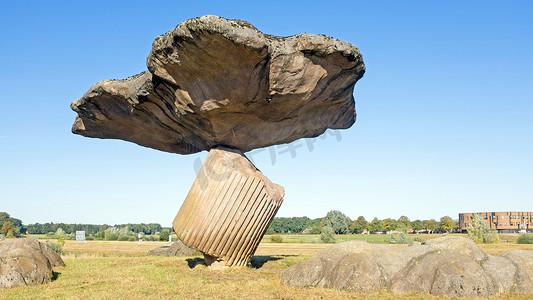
x=111, y=270
x=134, y=249
x=144, y=277
x=497, y=249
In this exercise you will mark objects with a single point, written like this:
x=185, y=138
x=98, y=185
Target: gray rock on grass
x=176, y=249
x=26, y=262
x=451, y=266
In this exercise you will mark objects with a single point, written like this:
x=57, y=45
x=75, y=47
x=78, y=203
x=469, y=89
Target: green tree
x=430, y=225
x=4, y=216
x=480, y=232
x=16, y=223
x=8, y=229
x=327, y=235
x=338, y=221
x=389, y=224
x=164, y=235
x=447, y=224
x=403, y=224
x=526, y=238
x=276, y=238
x=417, y=225
x=111, y=234
x=375, y=226
x=357, y=226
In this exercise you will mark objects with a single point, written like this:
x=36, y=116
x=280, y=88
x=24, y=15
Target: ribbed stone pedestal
x=228, y=208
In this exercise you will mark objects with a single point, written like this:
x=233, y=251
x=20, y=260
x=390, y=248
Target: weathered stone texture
x=452, y=266
x=176, y=249
x=219, y=82
x=26, y=262
x=228, y=208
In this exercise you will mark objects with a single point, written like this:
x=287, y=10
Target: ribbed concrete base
x=228, y=208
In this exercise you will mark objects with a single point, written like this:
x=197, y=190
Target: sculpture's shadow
x=256, y=263
x=55, y=275
x=193, y=262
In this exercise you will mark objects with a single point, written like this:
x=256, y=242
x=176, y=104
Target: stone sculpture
x=228, y=208
x=223, y=86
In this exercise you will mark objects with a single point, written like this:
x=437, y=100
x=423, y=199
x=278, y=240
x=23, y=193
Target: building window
x=485, y=217
x=500, y=224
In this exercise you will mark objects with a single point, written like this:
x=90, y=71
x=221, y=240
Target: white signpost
x=80, y=236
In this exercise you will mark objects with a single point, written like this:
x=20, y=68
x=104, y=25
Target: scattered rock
x=219, y=82
x=451, y=266
x=176, y=249
x=26, y=262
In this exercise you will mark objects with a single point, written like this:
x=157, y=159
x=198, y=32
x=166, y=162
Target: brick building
x=504, y=222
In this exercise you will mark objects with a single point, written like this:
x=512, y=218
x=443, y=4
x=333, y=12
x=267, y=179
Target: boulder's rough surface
x=228, y=209
x=26, y=262
x=219, y=82
x=176, y=249
x=523, y=261
x=452, y=266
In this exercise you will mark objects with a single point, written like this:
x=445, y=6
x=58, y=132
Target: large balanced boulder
x=26, y=262
x=452, y=266
x=218, y=82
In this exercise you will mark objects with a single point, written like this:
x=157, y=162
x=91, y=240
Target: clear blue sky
x=445, y=110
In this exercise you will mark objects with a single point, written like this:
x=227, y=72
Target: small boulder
x=26, y=262
x=176, y=249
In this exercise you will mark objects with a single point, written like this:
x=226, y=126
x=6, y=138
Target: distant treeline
x=342, y=224
x=294, y=225
x=45, y=228
x=335, y=219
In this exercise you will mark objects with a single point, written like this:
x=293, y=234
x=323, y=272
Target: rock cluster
x=26, y=262
x=452, y=266
x=219, y=82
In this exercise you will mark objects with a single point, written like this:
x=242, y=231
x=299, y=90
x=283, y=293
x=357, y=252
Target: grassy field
x=120, y=270
x=369, y=238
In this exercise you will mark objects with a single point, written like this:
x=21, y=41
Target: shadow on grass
x=256, y=263
x=193, y=262
x=55, y=275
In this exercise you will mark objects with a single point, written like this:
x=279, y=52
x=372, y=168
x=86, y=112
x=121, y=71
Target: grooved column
x=228, y=208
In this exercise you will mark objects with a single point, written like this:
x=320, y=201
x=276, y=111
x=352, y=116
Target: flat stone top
x=218, y=82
